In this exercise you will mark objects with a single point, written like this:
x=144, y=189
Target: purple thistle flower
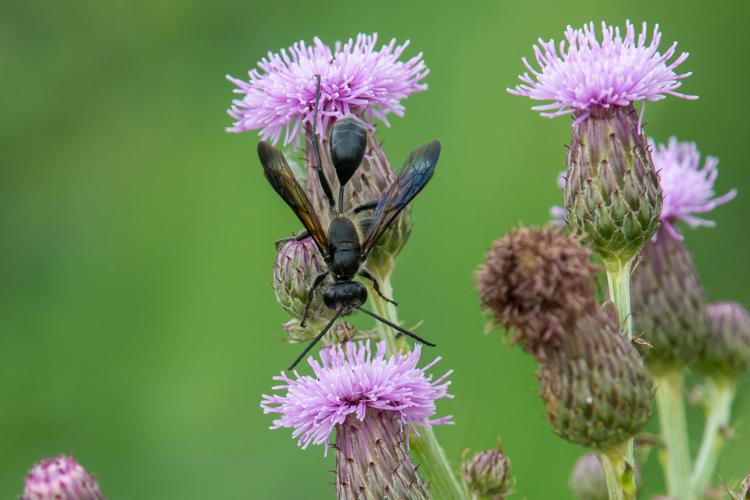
x=687, y=188
x=355, y=78
x=586, y=73
x=348, y=381
x=60, y=478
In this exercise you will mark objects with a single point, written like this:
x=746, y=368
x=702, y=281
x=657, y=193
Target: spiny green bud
x=587, y=480
x=595, y=387
x=297, y=264
x=668, y=303
x=612, y=191
x=726, y=350
x=372, y=459
x=487, y=474
x=537, y=282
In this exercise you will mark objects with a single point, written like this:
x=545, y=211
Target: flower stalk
x=424, y=444
x=671, y=407
x=720, y=393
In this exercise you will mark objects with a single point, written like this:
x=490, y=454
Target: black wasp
x=345, y=244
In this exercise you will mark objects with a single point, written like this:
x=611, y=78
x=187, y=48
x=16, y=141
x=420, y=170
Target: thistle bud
x=537, y=282
x=668, y=302
x=726, y=350
x=595, y=387
x=366, y=185
x=297, y=264
x=488, y=474
x=60, y=478
x=587, y=480
x=612, y=191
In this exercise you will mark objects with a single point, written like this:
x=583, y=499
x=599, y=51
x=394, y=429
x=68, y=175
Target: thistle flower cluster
x=539, y=283
x=487, y=474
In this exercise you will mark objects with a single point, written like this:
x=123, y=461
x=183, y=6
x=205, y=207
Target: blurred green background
x=138, y=327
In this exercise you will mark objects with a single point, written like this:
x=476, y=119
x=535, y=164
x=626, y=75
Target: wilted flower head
x=589, y=73
x=60, y=478
x=356, y=77
x=350, y=380
x=537, y=282
x=687, y=188
x=587, y=480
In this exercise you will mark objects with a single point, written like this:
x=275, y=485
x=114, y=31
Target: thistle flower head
x=594, y=384
x=687, y=188
x=726, y=350
x=536, y=282
x=590, y=72
x=487, y=474
x=349, y=380
x=587, y=479
x=60, y=478
x=356, y=77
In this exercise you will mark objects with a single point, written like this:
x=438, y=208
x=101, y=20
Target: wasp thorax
x=345, y=297
x=348, y=143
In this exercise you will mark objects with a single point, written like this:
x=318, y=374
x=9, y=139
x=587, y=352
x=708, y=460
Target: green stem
x=437, y=468
x=611, y=477
x=618, y=279
x=671, y=406
x=718, y=407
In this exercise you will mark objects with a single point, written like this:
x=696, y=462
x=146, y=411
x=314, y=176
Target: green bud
x=487, y=474
x=668, y=303
x=612, y=191
x=297, y=264
x=596, y=389
x=726, y=350
x=587, y=480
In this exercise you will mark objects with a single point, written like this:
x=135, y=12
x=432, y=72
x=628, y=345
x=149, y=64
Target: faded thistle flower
x=595, y=387
x=726, y=352
x=60, y=478
x=667, y=295
x=587, y=479
x=537, y=282
x=487, y=474
x=356, y=78
x=612, y=193
x=369, y=400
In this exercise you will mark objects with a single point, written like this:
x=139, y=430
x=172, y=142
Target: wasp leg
x=297, y=237
x=365, y=206
x=365, y=274
x=318, y=279
x=315, y=340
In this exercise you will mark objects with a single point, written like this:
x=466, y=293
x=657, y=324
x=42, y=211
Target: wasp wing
x=416, y=172
x=278, y=173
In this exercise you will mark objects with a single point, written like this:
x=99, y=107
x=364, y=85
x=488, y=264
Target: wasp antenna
x=319, y=167
x=396, y=327
x=315, y=340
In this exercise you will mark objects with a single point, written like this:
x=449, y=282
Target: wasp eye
x=348, y=143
